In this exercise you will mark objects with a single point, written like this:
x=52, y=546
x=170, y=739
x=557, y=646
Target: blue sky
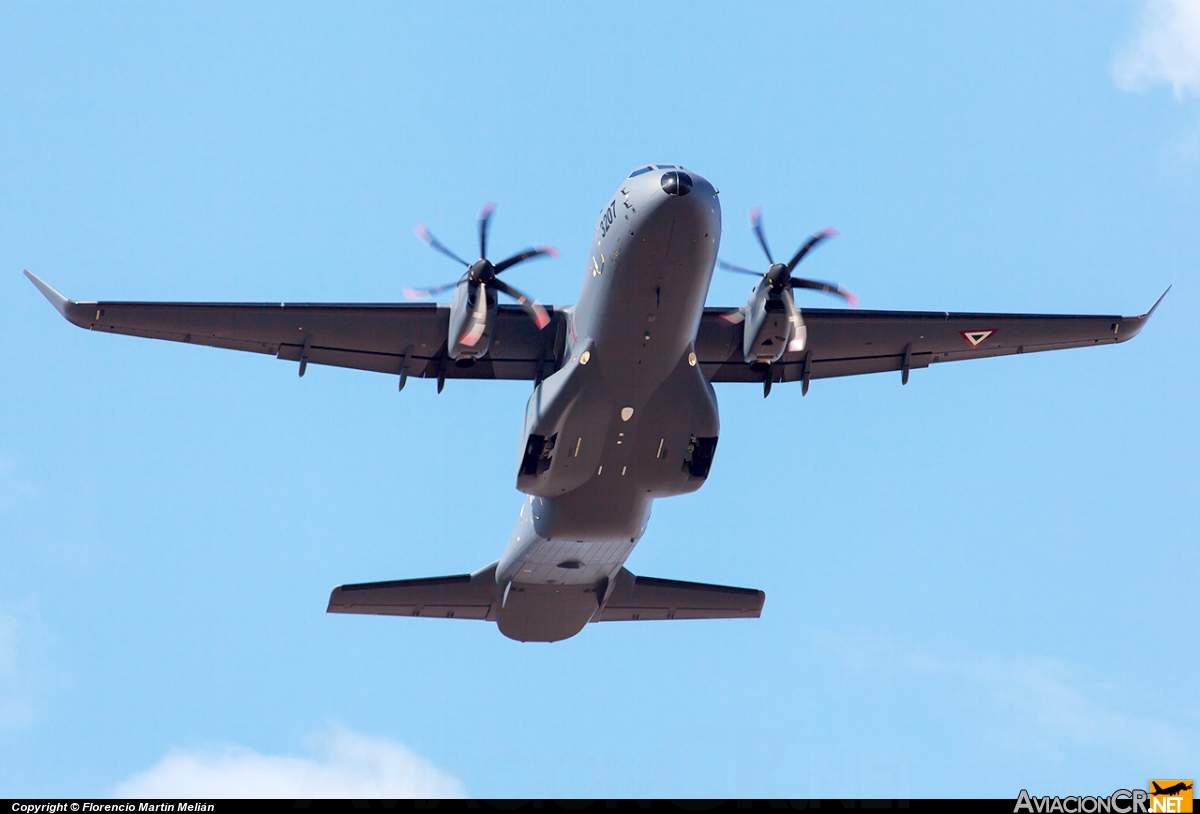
x=975, y=584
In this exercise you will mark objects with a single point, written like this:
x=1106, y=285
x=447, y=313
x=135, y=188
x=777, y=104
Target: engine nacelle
x=769, y=330
x=472, y=319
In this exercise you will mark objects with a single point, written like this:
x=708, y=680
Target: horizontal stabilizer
x=643, y=598
x=466, y=596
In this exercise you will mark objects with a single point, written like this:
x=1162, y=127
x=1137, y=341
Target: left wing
x=849, y=342
x=364, y=336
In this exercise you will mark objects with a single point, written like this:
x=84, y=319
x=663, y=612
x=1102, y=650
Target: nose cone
x=676, y=183
x=670, y=191
x=684, y=194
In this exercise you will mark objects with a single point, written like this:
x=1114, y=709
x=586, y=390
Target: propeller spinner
x=773, y=323
x=779, y=275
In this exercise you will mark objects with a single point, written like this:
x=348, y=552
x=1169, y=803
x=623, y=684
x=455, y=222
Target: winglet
x=68, y=308
x=1146, y=315
x=59, y=302
x=1132, y=326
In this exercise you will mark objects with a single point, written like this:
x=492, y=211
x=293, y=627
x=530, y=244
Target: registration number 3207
x=608, y=217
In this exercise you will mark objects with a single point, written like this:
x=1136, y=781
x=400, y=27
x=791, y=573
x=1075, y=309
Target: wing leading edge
x=847, y=343
x=381, y=338
x=393, y=338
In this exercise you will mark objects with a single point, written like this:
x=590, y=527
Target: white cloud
x=1167, y=49
x=1067, y=705
x=345, y=764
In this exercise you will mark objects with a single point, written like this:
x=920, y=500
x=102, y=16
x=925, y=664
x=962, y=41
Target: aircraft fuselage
x=629, y=417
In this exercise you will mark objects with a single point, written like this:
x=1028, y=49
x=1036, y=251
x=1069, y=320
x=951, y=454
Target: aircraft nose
x=688, y=195
x=676, y=183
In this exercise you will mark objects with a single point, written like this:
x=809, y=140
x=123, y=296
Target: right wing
x=361, y=336
x=844, y=342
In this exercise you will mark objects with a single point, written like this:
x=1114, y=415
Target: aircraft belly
x=650, y=274
x=585, y=533
x=618, y=424
x=602, y=509
x=628, y=401
x=572, y=562
x=548, y=613
x=652, y=295
x=642, y=455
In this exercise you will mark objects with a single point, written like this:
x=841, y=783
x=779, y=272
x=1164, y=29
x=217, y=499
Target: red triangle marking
x=976, y=338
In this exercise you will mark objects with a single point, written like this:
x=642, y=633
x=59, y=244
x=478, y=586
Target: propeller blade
x=485, y=216
x=799, y=335
x=521, y=257
x=532, y=307
x=828, y=288
x=808, y=246
x=426, y=237
x=756, y=225
x=738, y=269
x=423, y=293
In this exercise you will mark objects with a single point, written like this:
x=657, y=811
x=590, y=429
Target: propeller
x=779, y=275
x=482, y=273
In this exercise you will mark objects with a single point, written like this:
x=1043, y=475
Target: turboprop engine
x=774, y=324
x=472, y=317
x=473, y=309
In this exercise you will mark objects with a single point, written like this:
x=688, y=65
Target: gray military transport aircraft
x=623, y=409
